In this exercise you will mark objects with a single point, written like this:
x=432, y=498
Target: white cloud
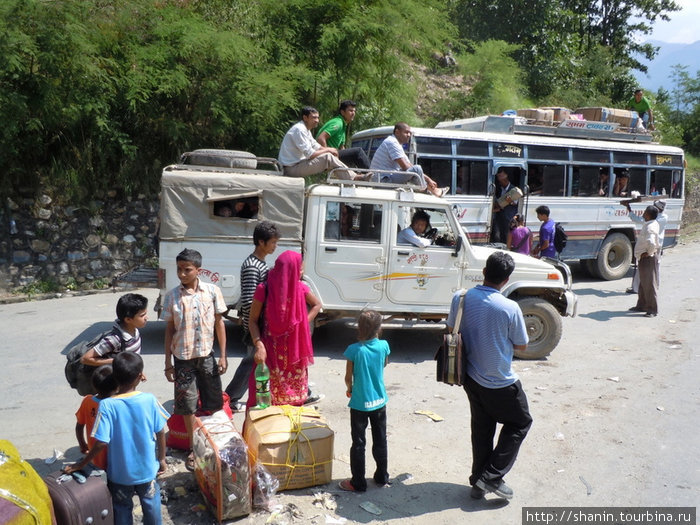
x=683, y=26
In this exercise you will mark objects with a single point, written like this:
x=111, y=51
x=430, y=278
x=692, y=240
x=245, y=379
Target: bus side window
x=439, y=170
x=554, y=182
x=472, y=177
x=638, y=180
x=586, y=181
x=660, y=183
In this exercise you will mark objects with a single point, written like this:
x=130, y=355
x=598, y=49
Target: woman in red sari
x=279, y=327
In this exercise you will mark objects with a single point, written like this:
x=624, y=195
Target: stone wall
x=74, y=247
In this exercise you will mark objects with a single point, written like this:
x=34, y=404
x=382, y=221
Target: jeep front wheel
x=543, y=324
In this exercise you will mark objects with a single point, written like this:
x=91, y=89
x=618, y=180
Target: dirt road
x=615, y=406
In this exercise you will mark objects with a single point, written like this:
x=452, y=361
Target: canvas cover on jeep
x=187, y=198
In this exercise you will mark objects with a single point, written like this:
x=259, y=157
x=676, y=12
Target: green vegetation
x=96, y=95
x=39, y=287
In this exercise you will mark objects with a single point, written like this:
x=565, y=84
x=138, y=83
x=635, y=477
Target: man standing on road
x=545, y=246
x=646, y=250
x=390, y=156
x=301, y=155
x=662, y=219
x=334, y=134
x=492, y=327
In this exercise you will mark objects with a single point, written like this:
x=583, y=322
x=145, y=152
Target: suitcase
x=80, y=503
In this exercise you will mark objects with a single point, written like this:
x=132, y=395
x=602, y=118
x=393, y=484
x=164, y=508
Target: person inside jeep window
x=420, y=225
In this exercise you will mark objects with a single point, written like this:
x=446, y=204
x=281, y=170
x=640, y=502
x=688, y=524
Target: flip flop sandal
x=189, y=462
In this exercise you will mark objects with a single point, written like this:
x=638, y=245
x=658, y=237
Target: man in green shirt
x=642, y=106
x=333, y=134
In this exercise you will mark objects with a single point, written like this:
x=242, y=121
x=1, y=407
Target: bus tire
x=590, y=266
x=615, y=257
x=543, y=324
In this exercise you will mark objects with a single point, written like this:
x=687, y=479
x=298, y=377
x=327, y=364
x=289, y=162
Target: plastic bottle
x=262, y=386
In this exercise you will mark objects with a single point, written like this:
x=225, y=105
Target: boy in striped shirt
x=253, y=271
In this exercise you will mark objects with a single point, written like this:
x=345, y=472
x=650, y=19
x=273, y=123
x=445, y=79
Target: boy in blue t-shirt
x=364, y=379
x=131, y=425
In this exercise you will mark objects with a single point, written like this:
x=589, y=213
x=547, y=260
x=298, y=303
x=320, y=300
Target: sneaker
x=314, y=398
x=443, y=191
x=347, y=485
x=630, y=290
x=236, y=406
x=650, y=314
x=635, y=309
x=501, y=489
x=384, y=485
x=477, y=493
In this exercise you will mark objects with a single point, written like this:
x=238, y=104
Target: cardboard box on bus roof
x=560, y=114
x=294, y=443
x=624, y=117
x=539, y=115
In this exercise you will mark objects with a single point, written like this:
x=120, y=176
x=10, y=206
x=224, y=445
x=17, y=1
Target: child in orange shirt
x=106, y=386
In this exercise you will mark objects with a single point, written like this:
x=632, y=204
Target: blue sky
x=683, y=26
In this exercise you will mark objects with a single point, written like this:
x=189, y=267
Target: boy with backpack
x=125, y=336
x=552, y=236
x=131, y=426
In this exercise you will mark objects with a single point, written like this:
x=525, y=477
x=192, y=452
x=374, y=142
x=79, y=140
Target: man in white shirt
x=390, y=156
x=662, y=219
x=301, y=155
x=646, y=250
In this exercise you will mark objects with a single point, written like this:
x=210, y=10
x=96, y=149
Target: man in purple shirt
x=545, y=246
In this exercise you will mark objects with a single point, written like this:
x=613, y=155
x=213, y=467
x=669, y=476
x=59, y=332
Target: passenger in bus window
x=504, y=208
x=622, y=181
x=223, y=209
x=603, y=182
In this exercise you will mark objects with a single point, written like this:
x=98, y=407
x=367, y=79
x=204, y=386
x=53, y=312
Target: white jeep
x=347, y=232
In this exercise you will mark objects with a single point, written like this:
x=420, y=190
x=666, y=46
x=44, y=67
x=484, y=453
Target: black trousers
x=358, y=426
x=490, y=406
x=354, y=158
x=239, y=384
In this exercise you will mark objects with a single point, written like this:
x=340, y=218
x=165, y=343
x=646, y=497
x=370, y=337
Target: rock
x=41, y=246
x=111, y=239
x=96, y=221
x=45, y=200
x=93, y=240
x=129, y=239
x=43, y=213
x=21, y=257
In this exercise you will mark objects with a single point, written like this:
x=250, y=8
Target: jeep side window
x=244, y=208
x=437, y=229
x=350, y=221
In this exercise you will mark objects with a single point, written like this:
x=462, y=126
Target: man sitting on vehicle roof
x=301, y=155
x=334, y=134
x=390, y=156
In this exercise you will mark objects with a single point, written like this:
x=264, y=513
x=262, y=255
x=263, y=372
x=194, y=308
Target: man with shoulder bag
x=492, y=327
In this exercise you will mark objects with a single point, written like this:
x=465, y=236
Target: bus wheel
x=543, y=324
x=615, y=257
x=590, y=266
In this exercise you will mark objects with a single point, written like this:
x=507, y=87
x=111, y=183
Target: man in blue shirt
x=492, y=327
x=545, y=246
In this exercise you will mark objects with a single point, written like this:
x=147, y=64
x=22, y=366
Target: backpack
x=560, y=237
x=78, y=375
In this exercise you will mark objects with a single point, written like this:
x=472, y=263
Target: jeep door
x=350, y=255
x=426, y=276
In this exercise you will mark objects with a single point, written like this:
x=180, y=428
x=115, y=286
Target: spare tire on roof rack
x=220, y=158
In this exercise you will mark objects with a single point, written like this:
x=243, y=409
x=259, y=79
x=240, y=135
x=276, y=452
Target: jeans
x=358, y=426
x=122, y=502
x=490, y=406
x=413, y=175
x=354, y=158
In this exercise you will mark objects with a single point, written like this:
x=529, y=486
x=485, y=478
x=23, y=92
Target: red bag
x=177, y=432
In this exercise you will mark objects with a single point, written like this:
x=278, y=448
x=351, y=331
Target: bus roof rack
x=577, y=129
x=369, y=183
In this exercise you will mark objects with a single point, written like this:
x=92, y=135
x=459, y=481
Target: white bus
x=574, y=172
